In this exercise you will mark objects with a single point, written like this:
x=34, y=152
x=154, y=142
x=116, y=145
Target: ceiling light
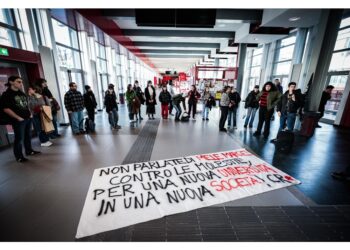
x=293, y=19
x=256, y=39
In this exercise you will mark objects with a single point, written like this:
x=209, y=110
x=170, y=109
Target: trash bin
x=121, y=98
x=308, y=125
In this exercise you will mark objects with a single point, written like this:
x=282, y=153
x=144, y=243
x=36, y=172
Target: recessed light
x=293, y=19
x=256, y=39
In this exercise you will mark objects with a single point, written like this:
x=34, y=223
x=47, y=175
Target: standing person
x=55, y=107
x=224, y=102
x=288, y=107
x=15, y=104
x=165, y=99
x=139, y=95
x=131, y=99
x=172, y=93
x=278, y=85
x=207, y=103
x=150, y=94
x=326, y=96
x=112, y=107
x=177, y=100
x=268, y=99
x=74, y=103
x=252, y=104
x=235, y=99
x=193, y=96
x=35, y=103
x=90, y=102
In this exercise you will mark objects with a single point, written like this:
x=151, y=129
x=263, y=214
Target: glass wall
x=339, y=69
x=283, y=60
x=8, y=30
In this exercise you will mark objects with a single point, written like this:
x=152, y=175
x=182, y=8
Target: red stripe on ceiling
x=112, y=29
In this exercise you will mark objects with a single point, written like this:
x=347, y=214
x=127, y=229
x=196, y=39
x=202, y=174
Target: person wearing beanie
x=90, y=102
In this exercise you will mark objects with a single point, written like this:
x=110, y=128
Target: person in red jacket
x=193, y=96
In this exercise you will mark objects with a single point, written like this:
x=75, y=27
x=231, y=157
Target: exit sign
x=4, y=52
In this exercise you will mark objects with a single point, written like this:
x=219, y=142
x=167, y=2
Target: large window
x=254, y=64
x=283, y=60
x=8, y=29
x=339, y=69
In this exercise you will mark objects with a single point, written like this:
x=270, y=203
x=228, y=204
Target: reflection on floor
x=42, y=199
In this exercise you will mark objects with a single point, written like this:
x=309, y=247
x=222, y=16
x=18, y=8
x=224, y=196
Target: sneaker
x=33, y=152
x=245, y=126
x=223, y=130
x=141, y=118
x=193, y=119
x=203, y=119
x=340, y=176
x=131, y=121
x=118, y=127
x=229, y=126
x=207, y=119
x=77, y=133
x=46, y=144
x=273, y=140
x=21, y=159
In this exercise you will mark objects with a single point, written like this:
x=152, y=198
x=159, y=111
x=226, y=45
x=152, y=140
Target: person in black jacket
x=165, y=99
x=252, y=104
x=177, y=100
x=151, y=102
x=139, y=95
x=112, y=107
x=90, y=102
x=326, y=96
x=193, y=96
x=235, y=99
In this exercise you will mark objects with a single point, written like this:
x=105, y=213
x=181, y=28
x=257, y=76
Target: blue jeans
x=113, y=118
x=251, y=116
x=54, y=121
x=232, y=113
x=43, y=137
x=77, y=121
x=178, y=111
x=22, y=132
x=290, y=119
x=205, y=111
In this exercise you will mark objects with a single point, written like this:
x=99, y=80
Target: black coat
x=193, y=97
x=90, y=101
x=235, y=99
x=149, y=97
x=139, y=94
x=287, y=105
x=250, y=101
x=165, y=97
x=324, y=99
x=110, y=101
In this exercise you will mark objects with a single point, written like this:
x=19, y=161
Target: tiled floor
x=42, y=200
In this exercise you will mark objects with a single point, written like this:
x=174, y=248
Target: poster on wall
x=124, y=195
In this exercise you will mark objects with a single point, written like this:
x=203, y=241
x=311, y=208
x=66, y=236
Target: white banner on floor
x=124, y=195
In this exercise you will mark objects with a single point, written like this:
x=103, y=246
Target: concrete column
x=242, y=51
x=319, y=64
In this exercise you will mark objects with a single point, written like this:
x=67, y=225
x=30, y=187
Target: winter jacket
x=164, y=97
x=130, y=96
x=149, y=97
x=74, y=101
x=110, y=101
x=225, y=100
x=235, y=99
x=36, y=101
x=287, y=105
x=90, y=100
x=139, y=94
x=193, y=96
x=324, y=99
x=250, y=101
x=272, y=98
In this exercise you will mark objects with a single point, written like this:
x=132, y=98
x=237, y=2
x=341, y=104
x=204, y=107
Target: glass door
x=338, y=80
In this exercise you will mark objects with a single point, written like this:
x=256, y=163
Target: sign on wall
x=124, y=195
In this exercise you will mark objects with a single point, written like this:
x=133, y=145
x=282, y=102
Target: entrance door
x=338, y=80
x=7, y=70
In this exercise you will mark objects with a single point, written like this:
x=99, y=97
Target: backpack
x=5, y=119
x=89, y=125
x=185, y=117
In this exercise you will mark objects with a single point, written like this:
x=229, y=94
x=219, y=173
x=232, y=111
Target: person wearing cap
x=252, y=105
x=90, y=102
x=112, y=107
